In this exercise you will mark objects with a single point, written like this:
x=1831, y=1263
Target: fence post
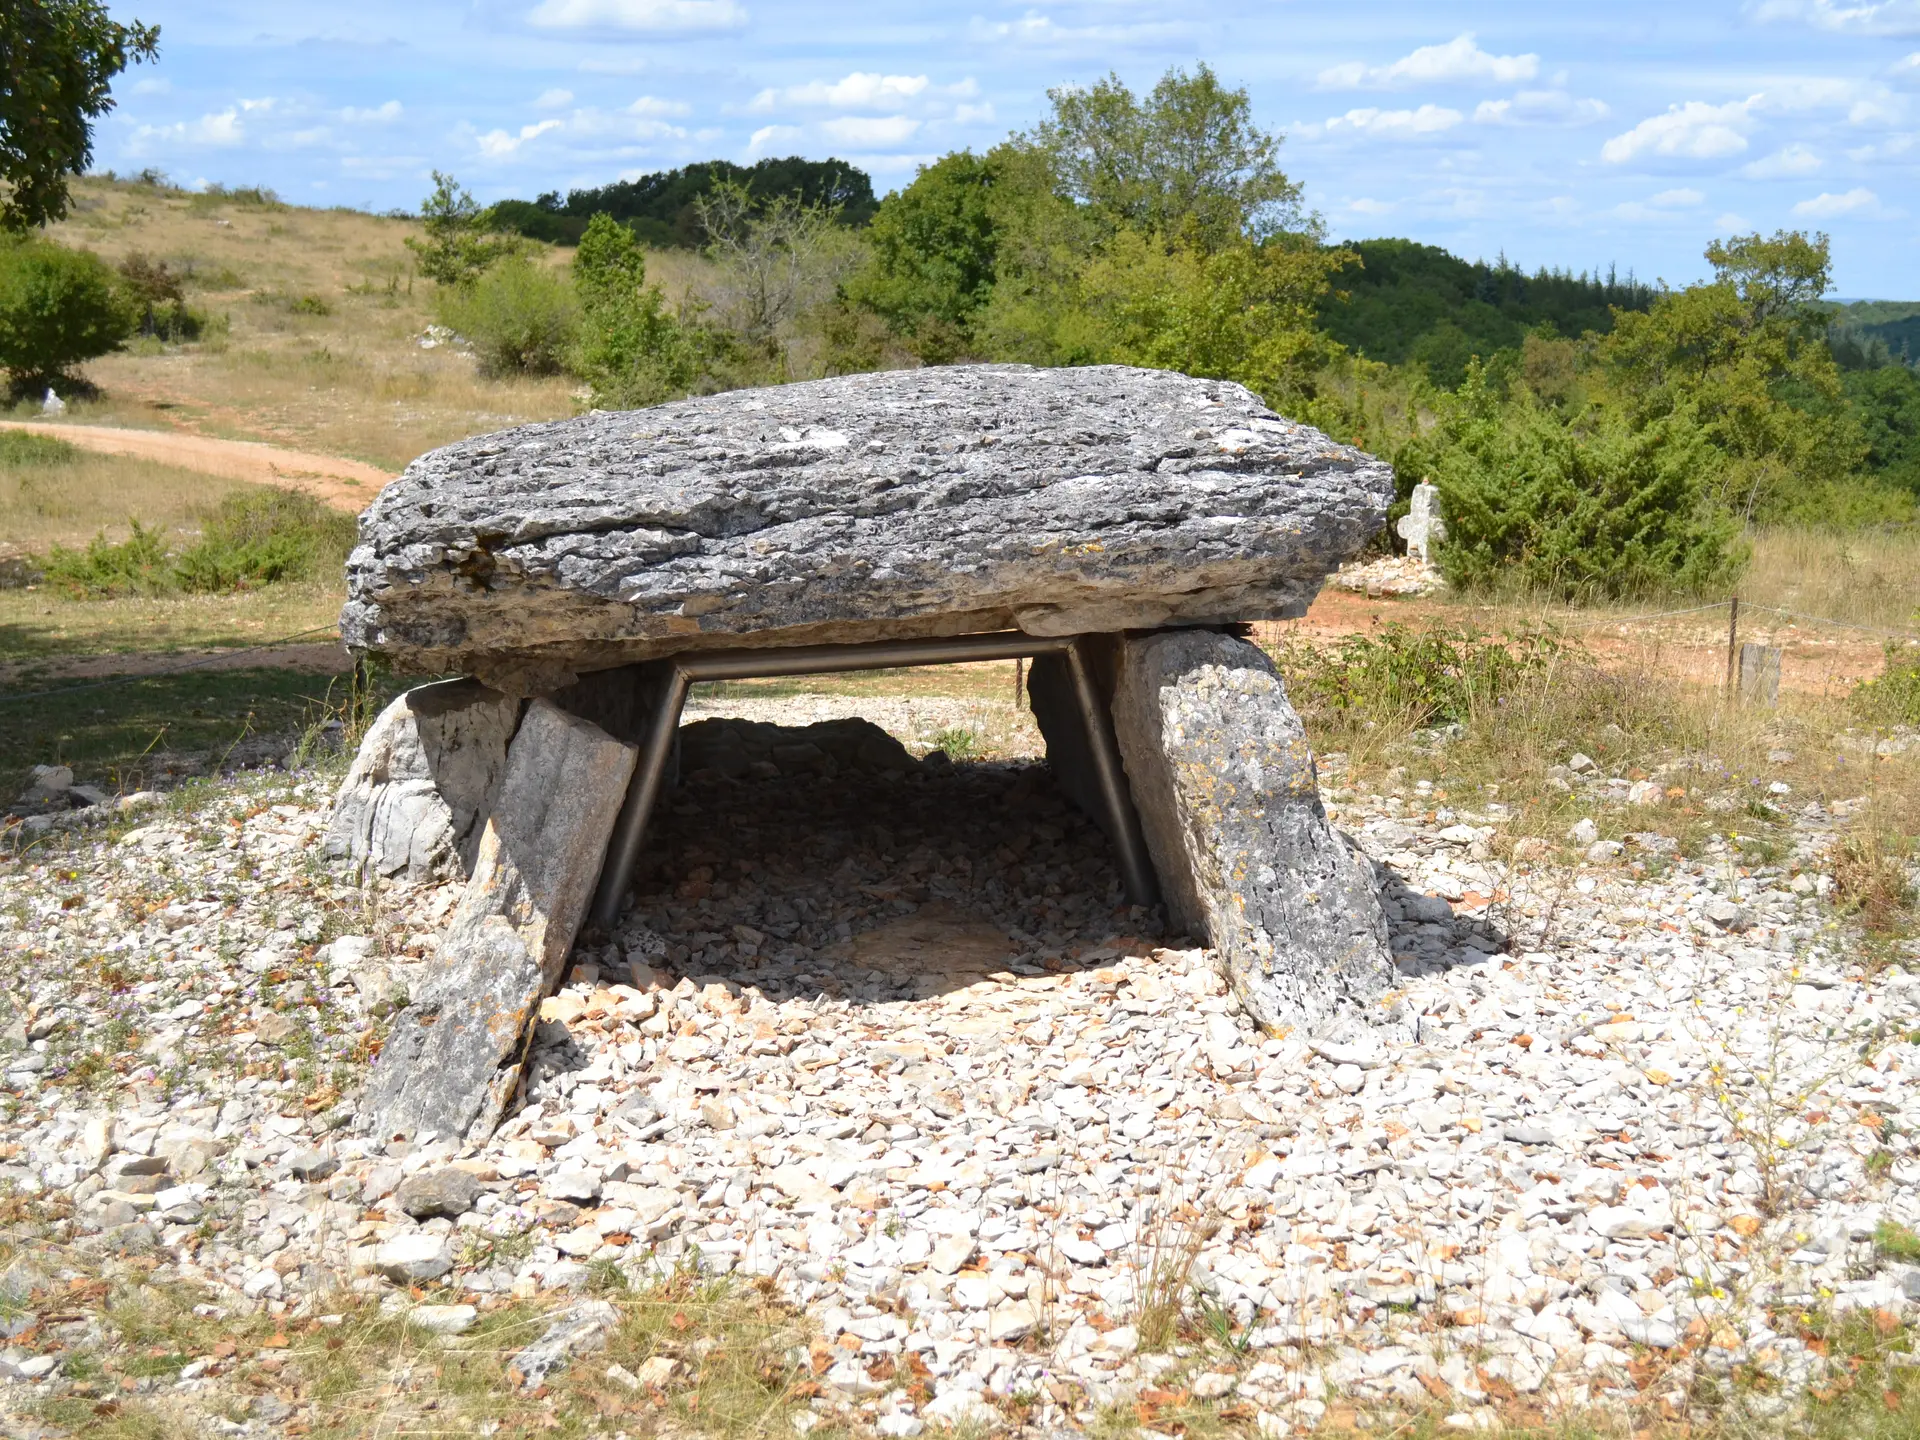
x=1733, y=647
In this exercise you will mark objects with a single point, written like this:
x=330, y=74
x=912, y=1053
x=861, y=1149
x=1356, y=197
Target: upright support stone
x=452, y=1058
x=1230, y=803
x=423, y=783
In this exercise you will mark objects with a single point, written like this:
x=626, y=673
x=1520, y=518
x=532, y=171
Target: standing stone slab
x=1228, y=798
x=422, y=786
x=897, y=505
x=453, y=1055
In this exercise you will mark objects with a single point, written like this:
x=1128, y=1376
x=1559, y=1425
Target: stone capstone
x=1228, y=798
x=452, y=1057
x=423, y=783
x=865, y=507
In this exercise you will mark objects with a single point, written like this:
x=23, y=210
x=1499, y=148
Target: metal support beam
x=1136, y=869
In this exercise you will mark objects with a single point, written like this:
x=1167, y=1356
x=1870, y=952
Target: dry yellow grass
x=70, y=503
x=352, y=381
x=1868, y=577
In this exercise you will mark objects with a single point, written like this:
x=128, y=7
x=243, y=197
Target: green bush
x=58, y=307
x=253, y=537
x=1893, y=696
x=24, y=450
x=1414, y=677
x=138, y=565
x=630, y=349
x=1584, y=506
x=158, y=300
x=260, y=536
x=520, y=317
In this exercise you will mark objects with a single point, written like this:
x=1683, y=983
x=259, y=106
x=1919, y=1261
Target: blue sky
x=1560, y=134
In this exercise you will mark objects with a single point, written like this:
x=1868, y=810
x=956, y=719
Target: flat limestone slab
x=452, y=1056
x=897, y=505
x=1230, y=804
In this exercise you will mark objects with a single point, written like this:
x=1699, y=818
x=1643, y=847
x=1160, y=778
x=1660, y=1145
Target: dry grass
x=70, y=502
x=1865, y=578
x=351, y=381
x=41, y=625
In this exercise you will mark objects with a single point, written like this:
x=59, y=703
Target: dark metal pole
x=1136, y=869
x=643, y=792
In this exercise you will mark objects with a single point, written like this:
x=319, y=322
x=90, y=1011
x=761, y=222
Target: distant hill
x=1413, y=302
x=1870, y=333
x=660, y=207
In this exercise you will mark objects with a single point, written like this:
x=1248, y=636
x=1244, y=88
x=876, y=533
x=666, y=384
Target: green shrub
x=519, y=316
x=630, y=350
x=1584, y=507
x=24, y=450
x=257, y=537
x=1893, y=696
x=253, y=537
x=1414, y=677
x=311, y=305
x=159, y=303
x=58, y=307
x=138, y=565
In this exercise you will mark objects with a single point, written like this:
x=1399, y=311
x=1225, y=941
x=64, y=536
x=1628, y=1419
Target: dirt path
x=345, y=484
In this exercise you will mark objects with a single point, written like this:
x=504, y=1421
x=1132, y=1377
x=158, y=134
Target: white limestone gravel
x=894, y=1041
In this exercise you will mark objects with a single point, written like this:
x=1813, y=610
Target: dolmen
x=1118, y=525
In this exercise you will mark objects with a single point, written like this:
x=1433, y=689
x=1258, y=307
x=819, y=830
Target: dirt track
x=346, y=484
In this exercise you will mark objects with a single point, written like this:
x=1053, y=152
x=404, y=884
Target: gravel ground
x=891, y=1038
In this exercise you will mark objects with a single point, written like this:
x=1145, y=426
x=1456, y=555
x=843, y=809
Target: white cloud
x=1541, y=107
x=1907, y=69
x=497, y=144
x=972, y=114
x=1867, y=17
x=1459, y=60
x=222, y=128
x=763, y=140
x=1033, y=28
x=655, y=106
x=858, y=91
x=1661, y=206
x=378, y=115
x=1365, y=206
x=1891, y=148
x=1796, y=159
x=1826, y=204
x=1731, y=223
x=1695, y=130
x=159, y=85
x=553, y=99
x=871, y=129
x=615, y=65
x=1427, y=120
x=647, y=15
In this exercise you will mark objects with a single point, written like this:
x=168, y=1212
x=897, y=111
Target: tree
x=1244, y=312
x=1187, y=158
x=776, y=262
x=631, y=351
x=458, y=246
x=58, y=59
x=1747, y=354
x=58, y=307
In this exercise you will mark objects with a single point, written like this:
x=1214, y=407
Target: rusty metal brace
x=684, y=671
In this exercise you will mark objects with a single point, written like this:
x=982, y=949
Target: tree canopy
x=58, y=59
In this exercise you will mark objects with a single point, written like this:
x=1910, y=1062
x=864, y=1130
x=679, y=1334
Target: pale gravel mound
x=921, y=1061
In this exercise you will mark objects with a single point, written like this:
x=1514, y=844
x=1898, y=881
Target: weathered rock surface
x=910, y=503
x=452, y=1057
x=422, y=786
x=1228, y=798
